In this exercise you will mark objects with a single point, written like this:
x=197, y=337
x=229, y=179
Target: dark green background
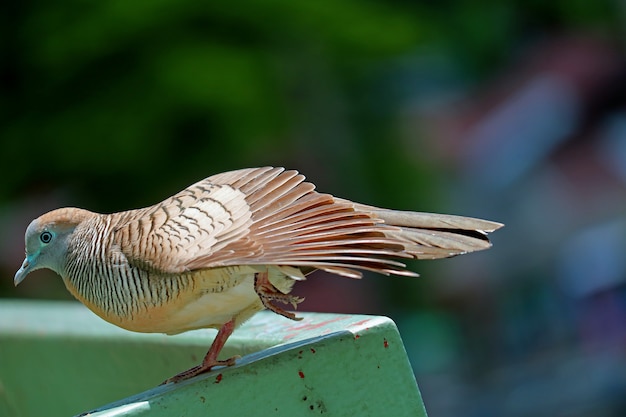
x=118, y=104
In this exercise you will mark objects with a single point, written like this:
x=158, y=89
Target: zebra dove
x=228, y=246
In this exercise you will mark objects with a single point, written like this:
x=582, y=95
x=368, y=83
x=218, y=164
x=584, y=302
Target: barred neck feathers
x=98, y=273
x=86, y=255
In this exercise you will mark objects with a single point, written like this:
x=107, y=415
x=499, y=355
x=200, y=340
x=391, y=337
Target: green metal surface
x=58, y=359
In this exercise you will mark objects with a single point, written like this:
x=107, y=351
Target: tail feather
x=431, y=235
x=425, y=220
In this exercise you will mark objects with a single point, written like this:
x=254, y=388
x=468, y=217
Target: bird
x=229, y=246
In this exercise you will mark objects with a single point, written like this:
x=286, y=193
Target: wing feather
x=269, y=216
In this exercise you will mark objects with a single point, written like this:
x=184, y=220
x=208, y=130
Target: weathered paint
x=60, y=359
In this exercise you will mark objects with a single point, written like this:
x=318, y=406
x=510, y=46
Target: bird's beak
x=22, y=272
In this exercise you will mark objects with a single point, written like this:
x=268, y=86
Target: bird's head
x=47, y=240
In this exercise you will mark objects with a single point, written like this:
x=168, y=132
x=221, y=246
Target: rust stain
x=301, y=374
x=385, y=343
x=218, y=378
x=311, y=326
x=359, y=323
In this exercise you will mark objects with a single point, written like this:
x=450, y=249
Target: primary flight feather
x=224, y=248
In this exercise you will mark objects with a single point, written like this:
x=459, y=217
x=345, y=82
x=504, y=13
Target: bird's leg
x=210, y=359
x=268, y=292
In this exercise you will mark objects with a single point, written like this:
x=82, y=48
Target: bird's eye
x=45, y=237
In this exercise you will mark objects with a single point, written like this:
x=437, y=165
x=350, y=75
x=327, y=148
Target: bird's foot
x=268, y=292
x=210, y=359
x=200, y=369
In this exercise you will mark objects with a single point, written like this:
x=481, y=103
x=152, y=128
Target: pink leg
x=210, y=359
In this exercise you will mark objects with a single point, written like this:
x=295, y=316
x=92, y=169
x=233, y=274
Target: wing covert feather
x=200, y=219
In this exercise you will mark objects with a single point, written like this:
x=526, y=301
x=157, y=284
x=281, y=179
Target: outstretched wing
x=269, y=216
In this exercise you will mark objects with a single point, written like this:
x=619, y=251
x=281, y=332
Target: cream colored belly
x=214, y=297
x=215, y=309
x=198, y=309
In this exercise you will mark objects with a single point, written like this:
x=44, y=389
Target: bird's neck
x=89, y=273
x=98, y=274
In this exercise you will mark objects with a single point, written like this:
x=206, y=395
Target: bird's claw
x=200, y=369
x=267, y=292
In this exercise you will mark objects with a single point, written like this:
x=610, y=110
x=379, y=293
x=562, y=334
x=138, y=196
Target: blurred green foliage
x=137, y=99
x=118, y=104
x=141, y=94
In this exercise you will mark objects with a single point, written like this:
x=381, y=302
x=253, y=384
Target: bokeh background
x=512, y=111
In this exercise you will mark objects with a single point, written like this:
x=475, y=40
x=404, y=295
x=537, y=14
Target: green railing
x=58, y=359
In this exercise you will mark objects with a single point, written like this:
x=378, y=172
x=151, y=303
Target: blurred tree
x=126, y=98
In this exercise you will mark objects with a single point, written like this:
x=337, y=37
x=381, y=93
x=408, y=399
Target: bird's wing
x=269, y=216
x=291, y=224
